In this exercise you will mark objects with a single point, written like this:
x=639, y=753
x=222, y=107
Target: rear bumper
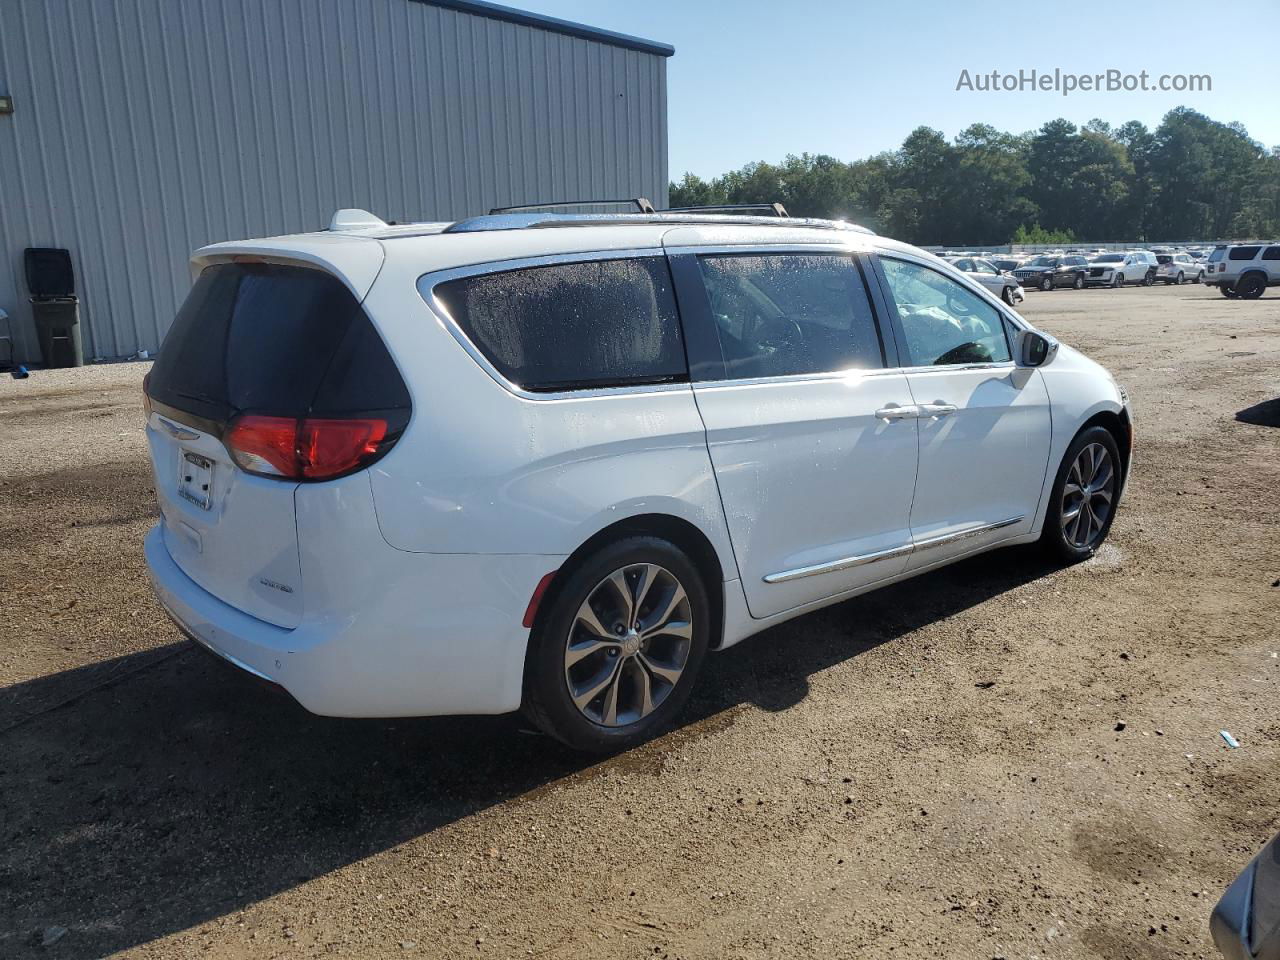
x=425, y=634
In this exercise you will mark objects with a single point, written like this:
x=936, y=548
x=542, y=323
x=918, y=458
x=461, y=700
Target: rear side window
x=1271, y=253
x=572, y=326
x=273, y=339
x=1242, y=253
x=790, y=314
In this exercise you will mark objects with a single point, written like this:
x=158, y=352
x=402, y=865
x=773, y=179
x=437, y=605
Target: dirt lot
x=936, y=770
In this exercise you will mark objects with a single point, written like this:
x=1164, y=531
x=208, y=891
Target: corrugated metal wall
x=143, y=129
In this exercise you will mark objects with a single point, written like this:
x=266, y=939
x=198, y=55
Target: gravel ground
x=998, y=760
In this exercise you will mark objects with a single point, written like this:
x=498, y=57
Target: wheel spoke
x=646, y=689
x=648, y=574
x=623, y=589
x=584, y=697
x=587, y=617
x=659, y=670
x=1102, y=495
x=659, y=618
x=672, y=628
x=609, y=709
x=578, y=652
x=1070, y=489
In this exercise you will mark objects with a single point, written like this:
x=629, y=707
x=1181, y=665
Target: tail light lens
x=308, y=448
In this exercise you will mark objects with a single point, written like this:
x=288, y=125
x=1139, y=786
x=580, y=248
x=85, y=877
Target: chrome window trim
x=929, y=543
x=427, y=283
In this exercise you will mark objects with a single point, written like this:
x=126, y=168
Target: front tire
x=1118, y=281
x=613, y=660
x=1084, y=497
x=1046, y=284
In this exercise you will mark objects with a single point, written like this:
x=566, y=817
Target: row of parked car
x=1237, y=270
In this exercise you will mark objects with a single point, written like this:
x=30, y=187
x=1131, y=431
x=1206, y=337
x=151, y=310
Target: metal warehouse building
x=134, y=131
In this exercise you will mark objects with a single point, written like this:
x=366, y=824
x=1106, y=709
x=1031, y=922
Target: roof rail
x=641, y=204
x=777, y=209
x=526, y=221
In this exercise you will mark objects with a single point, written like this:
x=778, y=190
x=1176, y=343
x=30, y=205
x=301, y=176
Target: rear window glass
x=1243, y=253
x=1217, y=254
x=573, y=326
x=273, y=339
x=1164, y=258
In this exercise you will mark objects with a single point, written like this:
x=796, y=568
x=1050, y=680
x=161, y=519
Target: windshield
x=1043, y=262
x=1110, y=258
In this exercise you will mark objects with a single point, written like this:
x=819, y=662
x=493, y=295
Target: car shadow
x=1264, y=414
x=144, y=795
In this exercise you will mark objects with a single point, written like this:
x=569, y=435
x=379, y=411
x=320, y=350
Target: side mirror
x=1035, y=349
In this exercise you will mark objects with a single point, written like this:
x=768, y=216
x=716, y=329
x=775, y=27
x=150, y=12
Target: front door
x=985, y=424
x=812, y=436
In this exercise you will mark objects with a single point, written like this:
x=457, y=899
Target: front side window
x=944, y=323
x=790, y=314
x=573, y=326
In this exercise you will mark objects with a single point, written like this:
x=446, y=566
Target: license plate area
x=195, y=479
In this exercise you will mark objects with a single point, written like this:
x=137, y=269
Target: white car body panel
x=413, y=577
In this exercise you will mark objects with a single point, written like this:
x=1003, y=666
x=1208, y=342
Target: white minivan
x=549, y=461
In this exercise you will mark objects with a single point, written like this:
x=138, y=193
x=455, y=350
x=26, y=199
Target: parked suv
x=1178, y=268
x=1118, y=269
x=1048, y=272
x=1243, y=270
x=549, y=461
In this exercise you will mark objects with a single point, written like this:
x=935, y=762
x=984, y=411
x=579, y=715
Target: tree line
x=1192, y=178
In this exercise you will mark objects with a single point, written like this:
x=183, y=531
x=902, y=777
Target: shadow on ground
x=145, y=795
x=1265, y=414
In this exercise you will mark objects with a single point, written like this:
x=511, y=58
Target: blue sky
x=757, y=79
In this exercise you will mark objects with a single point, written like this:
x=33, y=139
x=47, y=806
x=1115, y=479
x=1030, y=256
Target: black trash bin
x=54, y=305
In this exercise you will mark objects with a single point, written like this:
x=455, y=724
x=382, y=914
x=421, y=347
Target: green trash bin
x=58, y=329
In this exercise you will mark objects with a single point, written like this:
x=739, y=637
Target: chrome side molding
x=832, y=566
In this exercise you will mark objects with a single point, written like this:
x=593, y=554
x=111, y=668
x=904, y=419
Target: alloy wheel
x=1087, y=496
x=628, y=645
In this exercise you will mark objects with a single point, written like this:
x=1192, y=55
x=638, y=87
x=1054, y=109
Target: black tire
x=1181, y=278
x=1200, y=277
x=1118, y=281
x=1227, y=291
x=1078, y=283
x=1251, y=286
x=1007, y=295
x=1046, y=284
x=547, y=699
x=1054, y=538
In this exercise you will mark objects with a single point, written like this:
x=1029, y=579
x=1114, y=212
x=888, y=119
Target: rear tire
x=1251, y=286
x=1084, y=497
x=1226, y=291
x=1007, y=295
x=1181, y=278
x=1078, y=284
x=607, y=670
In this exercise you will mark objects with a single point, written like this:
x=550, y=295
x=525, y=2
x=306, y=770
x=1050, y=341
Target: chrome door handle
x=937, y=410
x=894, y=412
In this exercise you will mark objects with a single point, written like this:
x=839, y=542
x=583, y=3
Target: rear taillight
x=146, y=396
x=307, y=448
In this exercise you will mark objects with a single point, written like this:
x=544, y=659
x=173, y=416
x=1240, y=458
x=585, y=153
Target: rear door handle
x=936, y=410
x=894, y=412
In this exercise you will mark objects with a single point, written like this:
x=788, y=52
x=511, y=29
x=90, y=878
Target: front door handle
x=894, y=412
x=937, y=410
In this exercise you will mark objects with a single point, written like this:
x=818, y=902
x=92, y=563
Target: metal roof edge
x=496, y=11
